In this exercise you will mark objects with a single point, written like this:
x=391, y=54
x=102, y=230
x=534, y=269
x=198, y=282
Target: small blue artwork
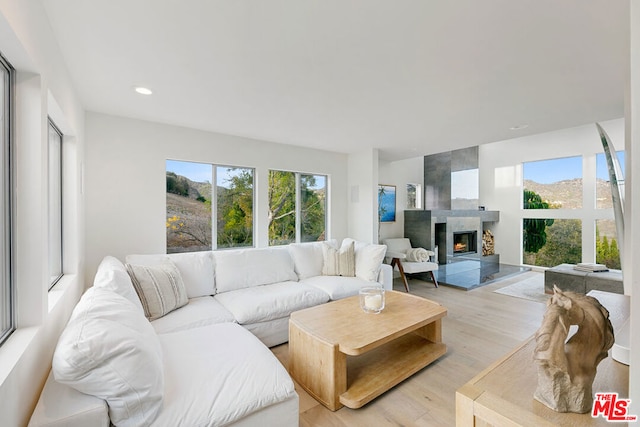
x=387, y=203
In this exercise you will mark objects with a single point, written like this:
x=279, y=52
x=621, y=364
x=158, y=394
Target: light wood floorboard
x=481, y=326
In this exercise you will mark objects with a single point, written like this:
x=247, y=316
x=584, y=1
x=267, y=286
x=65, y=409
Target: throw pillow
x=339, y=262
x=369, y=259
x=160, y=288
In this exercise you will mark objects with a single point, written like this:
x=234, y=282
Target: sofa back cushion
x=110, y=350
x=196, y=269
x=112, y=275
x=244, y=268
x=308, y=259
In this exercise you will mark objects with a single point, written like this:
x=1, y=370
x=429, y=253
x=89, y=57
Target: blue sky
x=203, y=172
x=549, y=171
x=198, y=172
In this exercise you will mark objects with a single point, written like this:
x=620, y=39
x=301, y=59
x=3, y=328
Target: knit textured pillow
x=339, y=262
x=159, y=287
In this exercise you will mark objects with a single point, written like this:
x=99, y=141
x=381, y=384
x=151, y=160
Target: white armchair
x=397, y=250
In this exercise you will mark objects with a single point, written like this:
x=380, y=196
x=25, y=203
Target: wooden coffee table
x=343, y=356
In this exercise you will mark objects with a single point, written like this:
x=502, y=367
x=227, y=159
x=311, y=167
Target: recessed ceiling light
x=519, y=127
x=143, y=90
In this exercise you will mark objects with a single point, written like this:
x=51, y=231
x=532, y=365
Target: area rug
x=531, y=288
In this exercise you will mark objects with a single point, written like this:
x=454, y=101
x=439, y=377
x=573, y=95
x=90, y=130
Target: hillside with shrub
x=563, y=237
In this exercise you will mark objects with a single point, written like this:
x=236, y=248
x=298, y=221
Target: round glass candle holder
x=372, y=299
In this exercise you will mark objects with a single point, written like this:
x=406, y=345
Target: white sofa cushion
x=272, y=332
x=337, y=287
x=109, y=350
x=245, y=268
x=112, y=275
x=214, y=382
x=369, y=259
x=339, y=262
x=198, y=312
x=268, y=302
x=159, y=287
x=196, y=268
x=307, y=258
x=419, y=267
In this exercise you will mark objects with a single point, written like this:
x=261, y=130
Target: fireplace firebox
x=464, y=242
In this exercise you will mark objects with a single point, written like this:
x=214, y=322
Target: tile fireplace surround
x=435, y=228
x=468, y=269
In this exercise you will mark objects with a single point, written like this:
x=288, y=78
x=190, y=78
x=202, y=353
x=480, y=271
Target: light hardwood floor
x=481, y=326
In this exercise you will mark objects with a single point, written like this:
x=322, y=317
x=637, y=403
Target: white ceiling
x=409, y=77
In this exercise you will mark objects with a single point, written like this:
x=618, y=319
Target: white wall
x=363, y=196
x=632, y=202
x=501, y=181
x=43, y=87
x=400, y=173
x=126, y=189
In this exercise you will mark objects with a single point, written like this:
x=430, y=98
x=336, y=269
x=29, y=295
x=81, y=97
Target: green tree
x=534, y=229
x=563, y=245
x=607, y=253
x=235, y=210
x=313, y=209
x=177, y=184
x=282, y=207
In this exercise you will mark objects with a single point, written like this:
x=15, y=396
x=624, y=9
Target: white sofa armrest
x=385, y=277
x=60, y=405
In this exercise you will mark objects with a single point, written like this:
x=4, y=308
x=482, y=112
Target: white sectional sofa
x=205, y=361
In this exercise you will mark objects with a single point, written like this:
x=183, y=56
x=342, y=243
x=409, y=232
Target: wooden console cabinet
x=502, y=394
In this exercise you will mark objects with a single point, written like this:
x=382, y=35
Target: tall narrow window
x=7, y=324
x=607, y=250
x=188, y=206
x=313, y=207
x=55, y=204
x=297, y=207
x=282, y=207
x=414, y=196
x=234, y=206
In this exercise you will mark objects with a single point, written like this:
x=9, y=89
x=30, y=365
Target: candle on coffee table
x=373, y=302
x=372, y=299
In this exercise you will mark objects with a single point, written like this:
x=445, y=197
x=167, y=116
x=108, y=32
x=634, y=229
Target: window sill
x=13, y=349
x=16, y=347
x=56, y=293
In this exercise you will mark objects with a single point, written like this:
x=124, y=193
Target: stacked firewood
x=487, y=243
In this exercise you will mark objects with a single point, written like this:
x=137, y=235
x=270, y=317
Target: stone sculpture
x=566, y=369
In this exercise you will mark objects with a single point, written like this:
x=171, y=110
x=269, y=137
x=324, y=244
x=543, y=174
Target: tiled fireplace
x=451, y=233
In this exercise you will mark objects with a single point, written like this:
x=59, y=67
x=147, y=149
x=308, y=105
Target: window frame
x=214, y=206
x=51, y=126
x=298, y=204
x=7, y=285
x=214, y=203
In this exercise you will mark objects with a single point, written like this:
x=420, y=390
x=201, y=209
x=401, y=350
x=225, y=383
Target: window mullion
x=298, y=208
